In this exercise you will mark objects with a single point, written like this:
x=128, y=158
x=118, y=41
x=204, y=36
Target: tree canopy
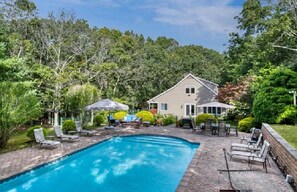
x=50, y=57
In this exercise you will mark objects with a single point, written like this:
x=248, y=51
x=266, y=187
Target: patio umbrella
x=107, y=104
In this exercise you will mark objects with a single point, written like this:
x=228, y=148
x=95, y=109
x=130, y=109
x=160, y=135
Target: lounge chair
x=262, y=157
x=112, y=121
x=62, y=136
x=249, y=146
x=39, y=137
x=254, y=156
x=80, y=130
x=254, y=136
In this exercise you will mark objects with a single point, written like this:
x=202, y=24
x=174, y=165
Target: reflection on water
x=141, y=163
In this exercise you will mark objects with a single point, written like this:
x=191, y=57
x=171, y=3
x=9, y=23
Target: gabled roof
x=203, y=82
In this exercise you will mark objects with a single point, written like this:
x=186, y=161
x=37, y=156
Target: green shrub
x=98, y=119
x=204, y=117
x=120, y=115
x=246, y=124
x=272, y=94
x=168, y=120
x=68, y=125
x=30, y=132
x=289, y=116
x=146, y=116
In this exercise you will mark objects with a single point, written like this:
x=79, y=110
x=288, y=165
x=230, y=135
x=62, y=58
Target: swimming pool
x=134, y=163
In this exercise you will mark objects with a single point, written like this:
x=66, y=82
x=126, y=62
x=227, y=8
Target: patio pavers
x=202, y=174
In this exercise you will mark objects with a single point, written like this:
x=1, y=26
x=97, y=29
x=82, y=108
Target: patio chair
x=62, y=136
x=200, y=128
x=249, y=146
x=262, y=157
x=254, y=136
x=112, y=121
x=39, y=137
x=80, y=130
x=222, y=127
x=208, y=127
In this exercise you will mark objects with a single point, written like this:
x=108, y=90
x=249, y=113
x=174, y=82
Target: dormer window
x=190, y=89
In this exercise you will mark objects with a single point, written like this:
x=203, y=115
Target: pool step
x=156, y=140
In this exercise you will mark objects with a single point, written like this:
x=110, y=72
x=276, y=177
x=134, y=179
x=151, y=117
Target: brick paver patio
x=201, y=175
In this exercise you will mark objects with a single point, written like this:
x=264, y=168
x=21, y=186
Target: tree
x=268, y=39
x=19, y=19
x=238, y=94
x=78, y=97
x=273, y=95
x=19, y=104
x=63, y=39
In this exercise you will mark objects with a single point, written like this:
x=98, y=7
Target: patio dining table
x=215, y=127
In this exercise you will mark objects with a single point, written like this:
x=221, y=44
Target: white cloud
x=26, y=186
x=106, y=3
x=123, y=167
x=99, y=177
x=215, y=16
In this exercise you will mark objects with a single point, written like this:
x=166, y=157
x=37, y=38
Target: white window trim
x=211, y=111
x=164, y=109
x=155, y=103
x=185, y=109
x=190, y=87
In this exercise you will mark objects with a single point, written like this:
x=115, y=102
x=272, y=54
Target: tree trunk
x=56, y=118
x=92, y=117
x=3, y=141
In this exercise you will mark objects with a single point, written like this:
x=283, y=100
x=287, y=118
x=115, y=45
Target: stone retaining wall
x=286, y=155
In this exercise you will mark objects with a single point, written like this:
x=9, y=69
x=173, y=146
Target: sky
x=190, y=22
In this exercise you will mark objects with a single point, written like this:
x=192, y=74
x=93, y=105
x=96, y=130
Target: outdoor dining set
x=217, y=128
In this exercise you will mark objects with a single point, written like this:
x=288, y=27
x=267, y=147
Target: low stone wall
x=286, y=155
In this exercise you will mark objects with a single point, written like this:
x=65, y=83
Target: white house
x=185, y=98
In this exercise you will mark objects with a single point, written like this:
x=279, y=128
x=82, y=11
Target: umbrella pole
x=92, y=117
x=109, y=119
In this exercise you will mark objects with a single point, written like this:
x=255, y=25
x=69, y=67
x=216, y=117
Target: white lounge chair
x=263, y=156
x=254, y=135
x=80, y=130
x=254, y=156
x=62, y=136
x=247, y=147
x=39, y=137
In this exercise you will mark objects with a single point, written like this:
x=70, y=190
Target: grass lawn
x=20, y=140
x=288, y=132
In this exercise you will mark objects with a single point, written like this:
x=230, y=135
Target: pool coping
x=51, y=161
x=182, y=186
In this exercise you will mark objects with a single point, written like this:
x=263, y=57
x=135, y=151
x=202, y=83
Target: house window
x=164, y=106
x=187, y=90
x=219, y=110
x=190, y=110
x=212, y=110
x=204, y=109
x=190, y=89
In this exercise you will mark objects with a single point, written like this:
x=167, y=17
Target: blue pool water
x=121, y=164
